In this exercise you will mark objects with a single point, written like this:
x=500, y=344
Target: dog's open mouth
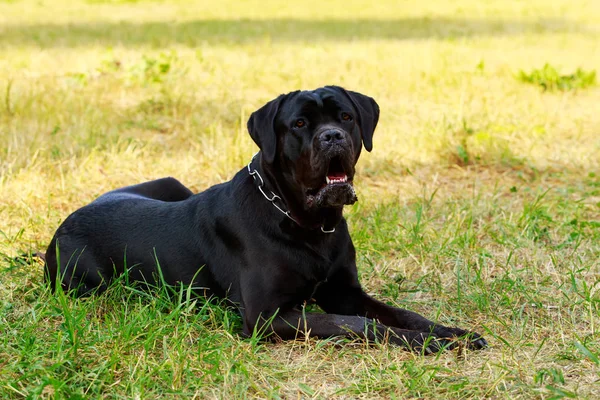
x=336, y=189
x=335, y=172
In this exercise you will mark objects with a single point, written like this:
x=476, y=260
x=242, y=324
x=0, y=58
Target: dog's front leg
x=352, y=300
x=293, y=324
x=406, y=319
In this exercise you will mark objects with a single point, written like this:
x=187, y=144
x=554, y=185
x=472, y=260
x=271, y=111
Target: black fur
x=232, y=242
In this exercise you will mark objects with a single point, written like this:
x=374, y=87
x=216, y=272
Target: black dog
x=269, y=240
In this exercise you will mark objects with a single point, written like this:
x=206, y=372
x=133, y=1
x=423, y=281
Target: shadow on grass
x=193, y=33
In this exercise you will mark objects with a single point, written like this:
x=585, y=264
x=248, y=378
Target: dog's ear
x=261, y=126
x=368, y=116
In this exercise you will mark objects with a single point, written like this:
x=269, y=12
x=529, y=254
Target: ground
x=478, y=207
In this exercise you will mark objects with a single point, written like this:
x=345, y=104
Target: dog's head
x=313, y=139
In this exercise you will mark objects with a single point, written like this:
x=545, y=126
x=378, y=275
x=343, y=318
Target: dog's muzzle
x=335, y=165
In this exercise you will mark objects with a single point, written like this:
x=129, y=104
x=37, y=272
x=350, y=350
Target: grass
x=479, y=206
x=550, y=79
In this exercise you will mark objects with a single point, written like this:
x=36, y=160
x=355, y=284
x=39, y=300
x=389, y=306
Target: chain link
x=256, y=175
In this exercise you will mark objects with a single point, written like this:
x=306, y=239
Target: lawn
x=479, y=206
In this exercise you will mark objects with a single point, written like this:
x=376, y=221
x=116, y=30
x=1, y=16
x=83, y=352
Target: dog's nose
x=331, y=136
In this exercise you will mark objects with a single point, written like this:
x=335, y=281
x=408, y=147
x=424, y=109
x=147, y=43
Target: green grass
x=479, y=205
x=549, y=78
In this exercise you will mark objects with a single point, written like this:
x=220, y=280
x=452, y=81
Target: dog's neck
x=289, y=201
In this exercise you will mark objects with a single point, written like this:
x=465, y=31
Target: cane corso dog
x=270, y=240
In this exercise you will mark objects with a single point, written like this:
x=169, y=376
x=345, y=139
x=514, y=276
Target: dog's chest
x=315, y=261
x=311, y=269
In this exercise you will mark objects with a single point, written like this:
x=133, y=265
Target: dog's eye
x=346, y=117
x=300, y=123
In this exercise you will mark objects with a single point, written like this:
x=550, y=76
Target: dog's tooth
x=334, y=180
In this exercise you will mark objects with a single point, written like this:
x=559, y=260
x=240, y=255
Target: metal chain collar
x=274, y=198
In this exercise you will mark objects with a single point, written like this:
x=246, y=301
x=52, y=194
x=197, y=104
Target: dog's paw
x=472, y=340
x=475, y=341
x=426, y=343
